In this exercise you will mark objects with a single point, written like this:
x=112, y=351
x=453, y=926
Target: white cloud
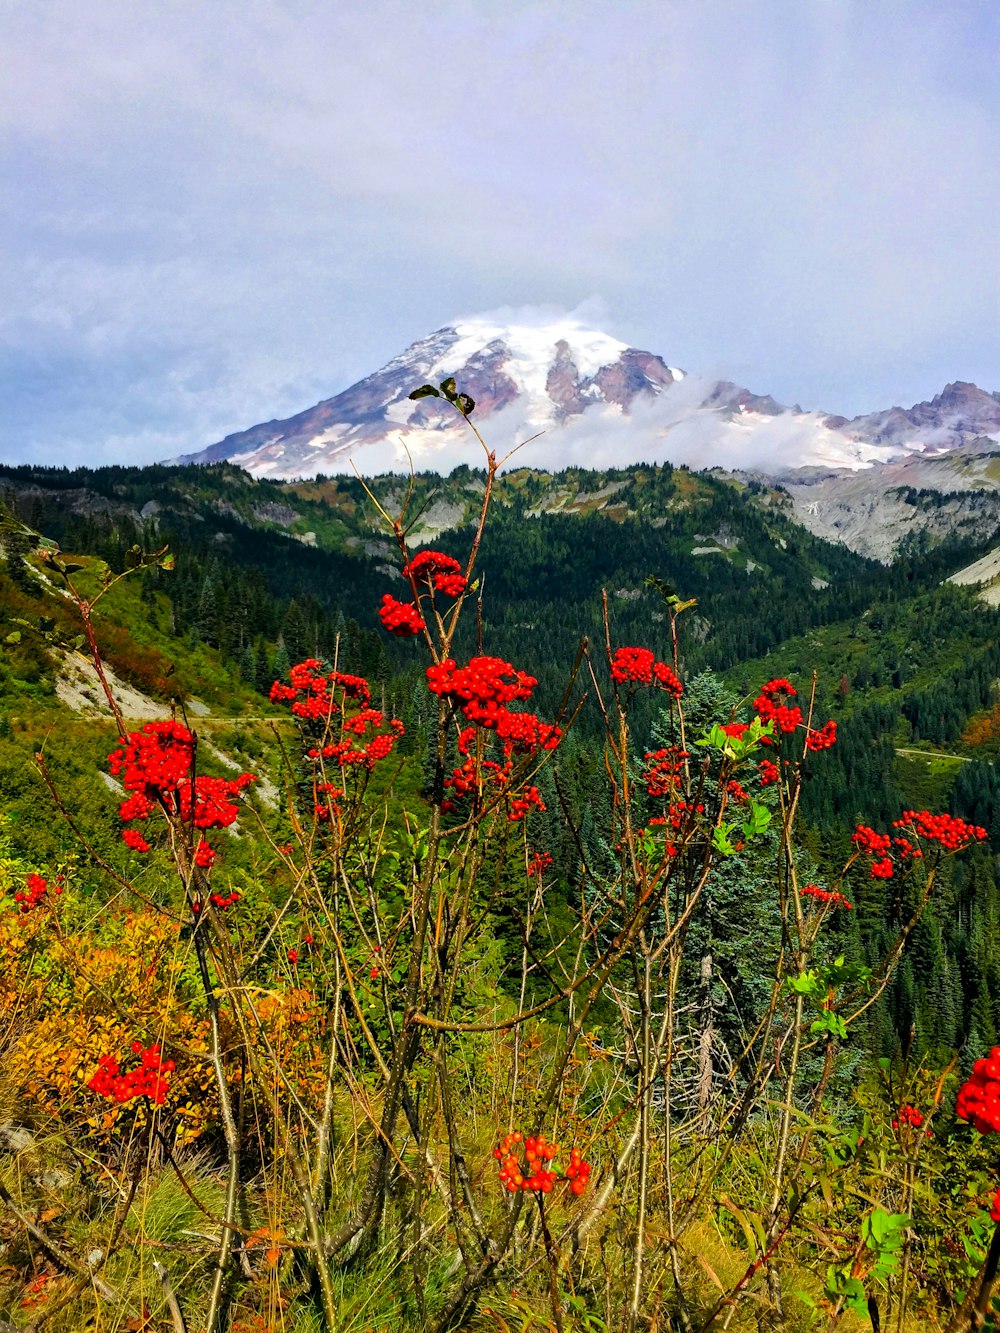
x=278, y=195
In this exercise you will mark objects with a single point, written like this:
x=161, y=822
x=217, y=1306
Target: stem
x=646, y=1092
x=553, y=1261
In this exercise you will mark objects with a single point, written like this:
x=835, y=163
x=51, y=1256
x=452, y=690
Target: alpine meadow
x=575, y=912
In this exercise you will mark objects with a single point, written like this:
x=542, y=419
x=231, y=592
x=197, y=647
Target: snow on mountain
x=594, y=401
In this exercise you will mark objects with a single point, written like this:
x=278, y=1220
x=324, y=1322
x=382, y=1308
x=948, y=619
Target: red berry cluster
x=470, y=779
x=538, y=864
x=659, y=821
x=147, y=1079
x=154, y=760
x=771, y=706
x=442, y=572
x=825, y=896
x=638, y=666
x=995, y=1207
x=908, y=1115
x=325, y=797
x=978, y=1098
x=767, y=772
x=877, y=846
x=822, y=738
x=219, y=900
x=348, y=752
x=662, y=774
x=521, y=805
x=213, y=806
x=578, y=1171
x=400, y=618
x=311, y=691
x=154, y=764
x=35, y=892
x=534, y=1173
x=948, y=831
x=682, y=812
x=736, y=730
x=204, y=856
x=524, y=733
x=318, y=696
x=483, y=689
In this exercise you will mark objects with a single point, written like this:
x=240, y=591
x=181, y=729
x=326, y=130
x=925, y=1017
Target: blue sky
x=217, y=214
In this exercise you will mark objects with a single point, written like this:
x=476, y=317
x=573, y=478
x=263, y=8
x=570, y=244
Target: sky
x=213, y=215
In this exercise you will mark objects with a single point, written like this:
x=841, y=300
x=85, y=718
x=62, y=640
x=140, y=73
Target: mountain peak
x=595, y=401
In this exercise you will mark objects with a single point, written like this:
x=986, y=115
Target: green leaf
x=721, y=841
x=803, y=984
x=750, y=1225
x=13, y=637
x=465, y=404
x=760, y=818
x=425, y=391
x=167, y=562
x=449, y=388
x=831, y=1023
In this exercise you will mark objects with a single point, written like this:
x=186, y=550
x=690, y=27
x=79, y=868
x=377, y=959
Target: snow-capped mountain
x=594, y=401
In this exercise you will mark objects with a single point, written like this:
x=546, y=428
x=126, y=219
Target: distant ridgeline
x=267, y=573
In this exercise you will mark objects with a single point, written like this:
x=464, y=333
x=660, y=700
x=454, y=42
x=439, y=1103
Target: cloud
x=215, y=209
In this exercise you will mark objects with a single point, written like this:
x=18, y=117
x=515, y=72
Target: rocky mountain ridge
x=594, y=402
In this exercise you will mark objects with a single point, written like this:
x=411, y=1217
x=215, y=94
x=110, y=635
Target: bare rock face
x=958, y=413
